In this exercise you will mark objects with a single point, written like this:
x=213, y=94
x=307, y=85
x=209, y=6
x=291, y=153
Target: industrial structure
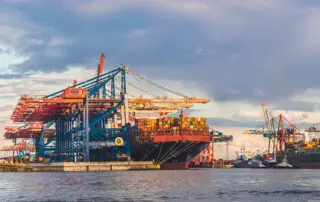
x=94, y=120
x=206, y=158
x=287, y=144
x=279, y=131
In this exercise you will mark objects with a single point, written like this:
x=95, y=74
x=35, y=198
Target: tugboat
x=269, y=161
x=258, y=160
x=242, y=161
x=283, y=164
x=257, y=164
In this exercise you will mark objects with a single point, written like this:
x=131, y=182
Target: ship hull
x=174, y=166
x=306, y=160
x=242, y=164
x=308, y=165
x=170, y=155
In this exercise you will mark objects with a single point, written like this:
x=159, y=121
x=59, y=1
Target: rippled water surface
x=188, y=185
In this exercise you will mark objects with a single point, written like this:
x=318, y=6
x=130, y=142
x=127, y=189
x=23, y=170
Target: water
x=188, y=185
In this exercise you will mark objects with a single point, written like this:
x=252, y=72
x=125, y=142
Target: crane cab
x=36, y=125
x=74, y=93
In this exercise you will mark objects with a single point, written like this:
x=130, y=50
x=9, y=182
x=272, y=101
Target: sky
x=234, y=53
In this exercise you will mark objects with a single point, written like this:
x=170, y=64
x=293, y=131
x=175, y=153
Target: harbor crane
x=91, y=113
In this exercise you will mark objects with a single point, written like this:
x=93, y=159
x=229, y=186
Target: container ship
x=305, y=154
x=170, y=142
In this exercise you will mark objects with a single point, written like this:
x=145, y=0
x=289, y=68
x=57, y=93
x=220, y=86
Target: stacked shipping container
x=171, y=141
x=183, y=125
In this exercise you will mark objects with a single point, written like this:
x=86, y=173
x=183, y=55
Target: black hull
x=168, y=152
x=280, y=167
x=308, y=160
x=242, y=166
x=269, y=165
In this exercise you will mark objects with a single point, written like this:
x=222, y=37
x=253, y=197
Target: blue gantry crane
x=80, y=114
x=90, y=119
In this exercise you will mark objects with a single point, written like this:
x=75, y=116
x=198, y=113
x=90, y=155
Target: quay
x=78, y=166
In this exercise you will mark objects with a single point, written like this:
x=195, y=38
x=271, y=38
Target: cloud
x=233, y=53
x=204, y=51
x=234, y=123
x=36, y=84
x=40, y=83
x=247, y=115
x=9, y=57
x=15, y=27
x=35, y=42
x=137, y=33
x=54, y=42
x=20, y=1
x=98, y=7
x=6, y=51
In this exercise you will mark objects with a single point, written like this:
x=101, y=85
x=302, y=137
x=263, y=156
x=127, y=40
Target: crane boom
x=169, y=100
x=100, y=67
x=266, y=115
x=101, y=64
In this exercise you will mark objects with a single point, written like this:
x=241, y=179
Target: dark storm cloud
x=307, y=3
x=288, y=105
x=249, y=63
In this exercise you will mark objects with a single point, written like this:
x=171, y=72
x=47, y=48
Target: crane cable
x=118, y=88
x=138, y=81
x=140, y=89
x=143, y=86
x=159, y=85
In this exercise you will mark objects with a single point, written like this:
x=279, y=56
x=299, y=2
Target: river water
x=186, y=185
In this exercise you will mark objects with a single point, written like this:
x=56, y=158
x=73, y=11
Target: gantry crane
x=80, y=114
x=287, y=133
x=19, y=147
x=267, y=115
x=270, y=133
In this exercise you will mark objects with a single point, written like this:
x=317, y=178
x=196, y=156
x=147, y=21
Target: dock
x=223, y=166
x=79, y=166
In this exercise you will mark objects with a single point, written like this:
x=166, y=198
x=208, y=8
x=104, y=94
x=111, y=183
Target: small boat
x=283, y=164
x=242, y=160
x=242, y=164
x=257, y=164
x=270, y=161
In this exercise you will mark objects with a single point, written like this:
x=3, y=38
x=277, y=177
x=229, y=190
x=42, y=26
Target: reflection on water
x=189, y=185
